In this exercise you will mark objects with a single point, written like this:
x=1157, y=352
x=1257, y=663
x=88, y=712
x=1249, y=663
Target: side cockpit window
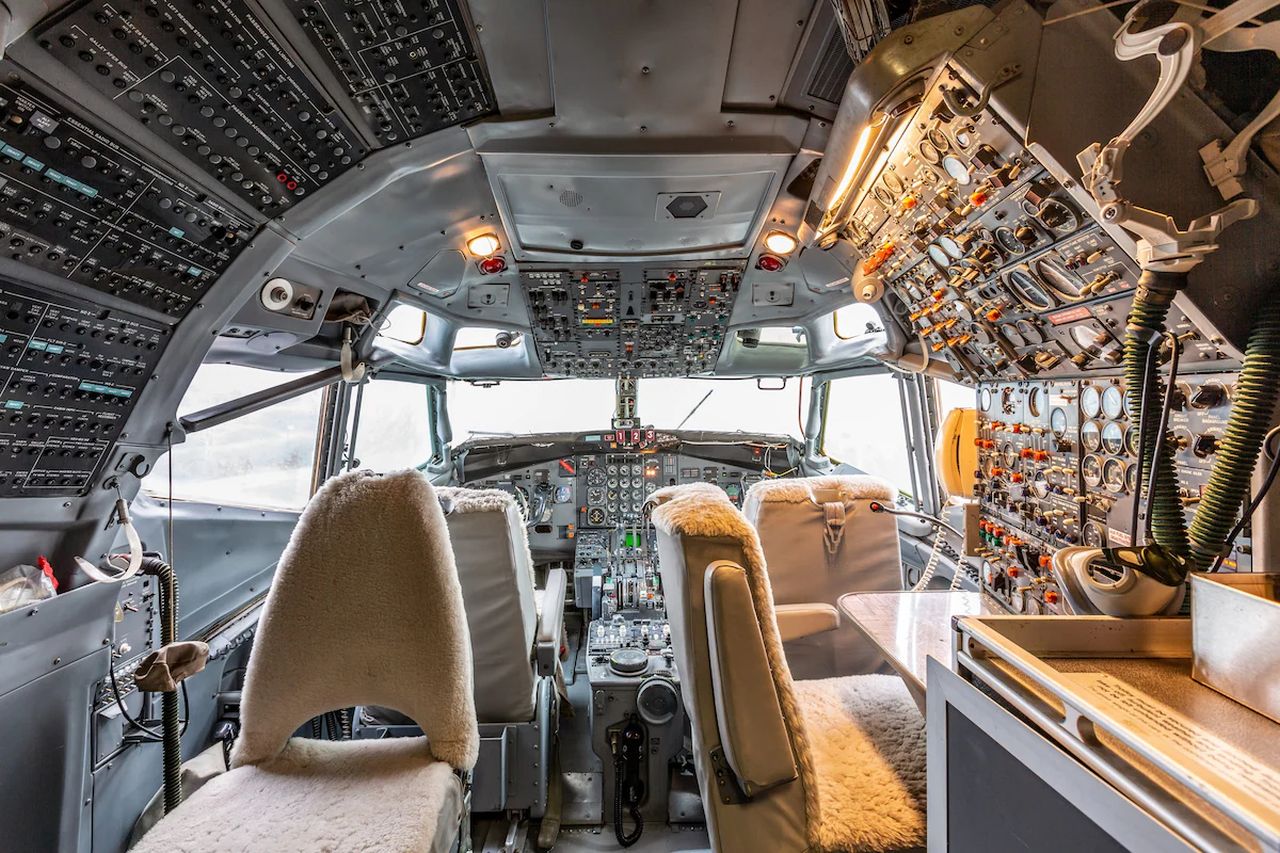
x=263, y=459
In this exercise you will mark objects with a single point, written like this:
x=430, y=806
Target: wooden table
x=909, y=627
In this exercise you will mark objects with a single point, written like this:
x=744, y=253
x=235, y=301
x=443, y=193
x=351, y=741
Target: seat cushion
x=387, y=795
x=867, y=744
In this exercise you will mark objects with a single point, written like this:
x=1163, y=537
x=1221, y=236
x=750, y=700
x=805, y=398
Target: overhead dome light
x=483, y=245
x=780, y=242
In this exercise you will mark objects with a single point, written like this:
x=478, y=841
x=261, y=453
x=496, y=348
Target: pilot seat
x=821, y=540
x=365, y=607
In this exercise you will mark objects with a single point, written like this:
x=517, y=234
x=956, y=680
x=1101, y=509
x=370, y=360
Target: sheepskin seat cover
x=321, y=797
x=365, y=608
x=859, y=740
x=847, y=487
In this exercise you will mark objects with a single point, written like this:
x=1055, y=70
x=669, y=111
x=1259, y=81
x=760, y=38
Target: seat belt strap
x=835, y=525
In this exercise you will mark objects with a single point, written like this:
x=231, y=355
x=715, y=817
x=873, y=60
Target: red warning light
x=493, y=265
x=770, y=263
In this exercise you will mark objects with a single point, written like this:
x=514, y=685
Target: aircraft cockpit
x=461, y=426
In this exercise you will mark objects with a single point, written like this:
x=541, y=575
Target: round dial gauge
x=1010, y=455
x=1008, y=242
x=1113, y=402
x=1131, y=442
x=938, y=139
x=892, y=182
x=613, y=469
x=884, y=196
x=957, y=169
x=1030, y=331
x=1113, y=438
x=1113, y=475
x=1091, y=435
x=929, y=152
x=1059, y=279
x=1093, y=535
x=1091, y=470
x=1040, y=484
x=950, y=246
x=1010, y=333
x=1090, y=401
x=595, y=477
x=1131, y=478
x=1025, y=286
x=938, y=256
x=964, y=136
x=1057, y=216
x=1058, y=422
x=985, y=399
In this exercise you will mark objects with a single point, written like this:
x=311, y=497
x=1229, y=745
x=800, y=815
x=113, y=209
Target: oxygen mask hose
x=1143, y=333
x=1252, y=406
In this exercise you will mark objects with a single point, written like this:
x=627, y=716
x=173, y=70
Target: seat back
x=495, y=569
x=365, y=608
x=748, y=737
x=821, y=540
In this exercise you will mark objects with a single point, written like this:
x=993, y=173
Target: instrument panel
x=1057, y=467
x=988, y=261
x=212, y=81
x=630, y=321
x=75, y=202
x=70, y=373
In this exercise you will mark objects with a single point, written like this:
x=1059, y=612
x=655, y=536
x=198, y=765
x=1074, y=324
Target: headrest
x=365, y=609
x=461, y=500
x=700, y=509
x=820, y=490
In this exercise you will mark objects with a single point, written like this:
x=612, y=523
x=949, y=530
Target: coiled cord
x=170, y=724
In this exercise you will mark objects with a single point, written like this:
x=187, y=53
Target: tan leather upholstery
x=768, y=783
x=365, y=607
x=496, y=573
x=821, y=540
x=748, y=711
x=796, y=621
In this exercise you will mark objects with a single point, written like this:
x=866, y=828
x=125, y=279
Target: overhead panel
x=620, y=206
x=210, y=80
x=409, y=65
x=76, y=203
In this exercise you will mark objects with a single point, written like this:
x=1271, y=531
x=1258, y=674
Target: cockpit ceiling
x=629, y=206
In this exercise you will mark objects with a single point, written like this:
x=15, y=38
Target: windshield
x=585, y=405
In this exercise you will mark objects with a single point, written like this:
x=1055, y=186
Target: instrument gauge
x=1030, y=332
x=595, y=477
x=950, y=246
x=1090, y=401
x=985, y=399
x=1113, y=479
x=1033, y=402
x=1113, y=402
x=1113, y=438
x=1010, y=333
x=1056, y=216
x=1010, y=455
x=1093, y=535
x=892, y=182
x=1058, y=422
x=1025, y=286
x=964, y=135
x=1131, y=478
x=883, y=196
x=1091, y=470
x=1060, y=280
x=957, y=169
x=938, y=139
x=613, y=470
x=1011, y=244
x=938, y=256
x=1091, y=436
x=929, y=152
x=1131, y=441
x=1040, y=484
